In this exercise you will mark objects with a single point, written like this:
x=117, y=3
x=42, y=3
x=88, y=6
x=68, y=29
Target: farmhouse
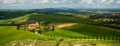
x=34, y=25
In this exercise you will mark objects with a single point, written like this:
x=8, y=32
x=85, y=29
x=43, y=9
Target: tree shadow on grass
x=7, y=25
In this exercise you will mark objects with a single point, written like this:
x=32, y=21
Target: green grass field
x=79, y=31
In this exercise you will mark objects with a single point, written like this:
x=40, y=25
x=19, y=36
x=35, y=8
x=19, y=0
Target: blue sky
x=38, y=4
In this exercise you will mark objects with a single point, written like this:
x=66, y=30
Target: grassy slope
x=81, y=28
x=7, y=21
x=92, y=30
x=54, y=18
x=9, y=33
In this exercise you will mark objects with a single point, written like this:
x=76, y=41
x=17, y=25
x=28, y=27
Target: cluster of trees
x=43, y=27
x=11, y=14
x=106, y=15
x=107, y=19
x=107, y=38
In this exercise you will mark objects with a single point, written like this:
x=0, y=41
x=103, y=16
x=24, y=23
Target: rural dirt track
x=65, y=25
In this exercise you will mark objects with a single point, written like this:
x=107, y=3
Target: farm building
x=33, y=25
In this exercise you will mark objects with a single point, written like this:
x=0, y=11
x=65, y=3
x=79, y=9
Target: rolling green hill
x=79, y=31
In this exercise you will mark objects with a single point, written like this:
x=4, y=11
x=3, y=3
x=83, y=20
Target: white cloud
x=1, y=0
x=103, y=1
x=34, y=1
x=107, y=2
x=43, y=1
x=22, y=1
x=87, y=1
x=67, y=1
x=110, y=1
x=55, y=1
x=118, y=2
x=9, y=1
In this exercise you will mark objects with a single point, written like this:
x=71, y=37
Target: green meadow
x=79, y=33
